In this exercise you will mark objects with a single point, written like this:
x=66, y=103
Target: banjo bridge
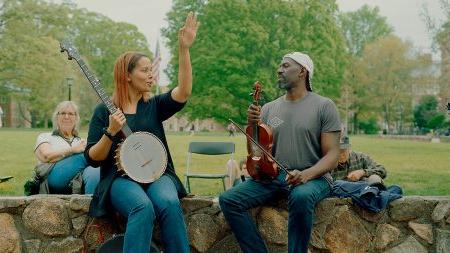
x=147, y=162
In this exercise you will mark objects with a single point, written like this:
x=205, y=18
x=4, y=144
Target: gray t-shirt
x=297, y=127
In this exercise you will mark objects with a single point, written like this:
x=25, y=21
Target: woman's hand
x=116, y=122
x=187, y=34
x=79, y=147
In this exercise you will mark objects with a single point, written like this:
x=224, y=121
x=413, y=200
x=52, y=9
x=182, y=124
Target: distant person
x=238, y=173
x=1, y=117
x=355, y=166
x=231, y=129
x=64, y=148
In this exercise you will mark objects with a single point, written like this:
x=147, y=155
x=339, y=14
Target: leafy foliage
x=362, y=27
x=426, y=114
x=240, y=42
x=33, y=70
x=383, y=79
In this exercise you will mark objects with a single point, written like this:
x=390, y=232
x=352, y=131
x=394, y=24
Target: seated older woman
x=65, y=148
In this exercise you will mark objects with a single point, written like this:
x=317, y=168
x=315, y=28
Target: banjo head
x=143, y=157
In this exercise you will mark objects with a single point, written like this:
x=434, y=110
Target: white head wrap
x=306, y=62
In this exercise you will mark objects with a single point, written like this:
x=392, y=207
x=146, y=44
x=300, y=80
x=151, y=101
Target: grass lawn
x=419, y=168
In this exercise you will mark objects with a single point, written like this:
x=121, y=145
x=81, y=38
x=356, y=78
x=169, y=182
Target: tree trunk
x=355, y=123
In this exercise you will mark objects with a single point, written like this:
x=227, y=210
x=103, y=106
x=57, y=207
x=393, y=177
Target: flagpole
x=156, y=64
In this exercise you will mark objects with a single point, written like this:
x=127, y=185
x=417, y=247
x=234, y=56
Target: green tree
x=240, y=42
x=362, y=27
x=383, y=78
x=33, y=70
x=427, y=115
x=440, y=32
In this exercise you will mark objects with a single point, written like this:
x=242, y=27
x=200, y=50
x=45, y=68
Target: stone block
x=80, y=203
x=67, y=245
x=408, y=246
x=32, y=245
x=442, y=241
x=323, y=210
x=386, y=234
x=9, y=203
x=193, y=204
x=346, y=233
x=406, y=209
x=47, y=216
x=79, y=224
x=272, y=224
x=228, y=244
x=424, y=231
x=370, y=216
x=10, y=239
x=200, y=225
x=441, y=211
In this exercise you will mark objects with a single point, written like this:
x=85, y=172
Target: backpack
x=38, y=182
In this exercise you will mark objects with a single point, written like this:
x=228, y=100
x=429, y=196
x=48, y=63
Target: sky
x=150, y=16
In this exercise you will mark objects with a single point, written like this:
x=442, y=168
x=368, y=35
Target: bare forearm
x=184, y=89
x=48, y=156
x=100, y=150
x=324, y=165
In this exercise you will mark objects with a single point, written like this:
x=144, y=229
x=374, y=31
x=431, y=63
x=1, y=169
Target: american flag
x=156, y=62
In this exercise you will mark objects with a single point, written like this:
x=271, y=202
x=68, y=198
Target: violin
x=259, y=164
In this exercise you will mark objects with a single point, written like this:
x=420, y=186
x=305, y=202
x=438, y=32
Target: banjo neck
x=95, y=83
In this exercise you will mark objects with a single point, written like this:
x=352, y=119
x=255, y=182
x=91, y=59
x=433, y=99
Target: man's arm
x=371, y=167
x=330, y=154
x=363, y=166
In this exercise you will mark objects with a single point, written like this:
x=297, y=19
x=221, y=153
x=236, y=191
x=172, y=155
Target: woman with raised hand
x=142, y=204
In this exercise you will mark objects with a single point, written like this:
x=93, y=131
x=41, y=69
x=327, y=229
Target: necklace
x=69, y=140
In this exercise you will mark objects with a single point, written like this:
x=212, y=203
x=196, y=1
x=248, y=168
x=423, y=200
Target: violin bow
x=261, y=148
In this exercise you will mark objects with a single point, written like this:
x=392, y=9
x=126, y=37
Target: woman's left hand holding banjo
x=100, y=151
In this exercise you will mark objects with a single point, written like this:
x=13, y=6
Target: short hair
x=61, y=106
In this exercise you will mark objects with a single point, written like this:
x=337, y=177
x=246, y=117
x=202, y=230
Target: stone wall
x=424, y=138
x=52, y=223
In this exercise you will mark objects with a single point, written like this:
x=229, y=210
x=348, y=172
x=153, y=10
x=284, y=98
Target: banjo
x=141, y=156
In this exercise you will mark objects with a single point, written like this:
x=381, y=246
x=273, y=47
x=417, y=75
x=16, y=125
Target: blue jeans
x=302, y=200
x=142, y=205
x=66, y=169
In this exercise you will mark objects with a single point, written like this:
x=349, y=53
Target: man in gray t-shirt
x=306, y=130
